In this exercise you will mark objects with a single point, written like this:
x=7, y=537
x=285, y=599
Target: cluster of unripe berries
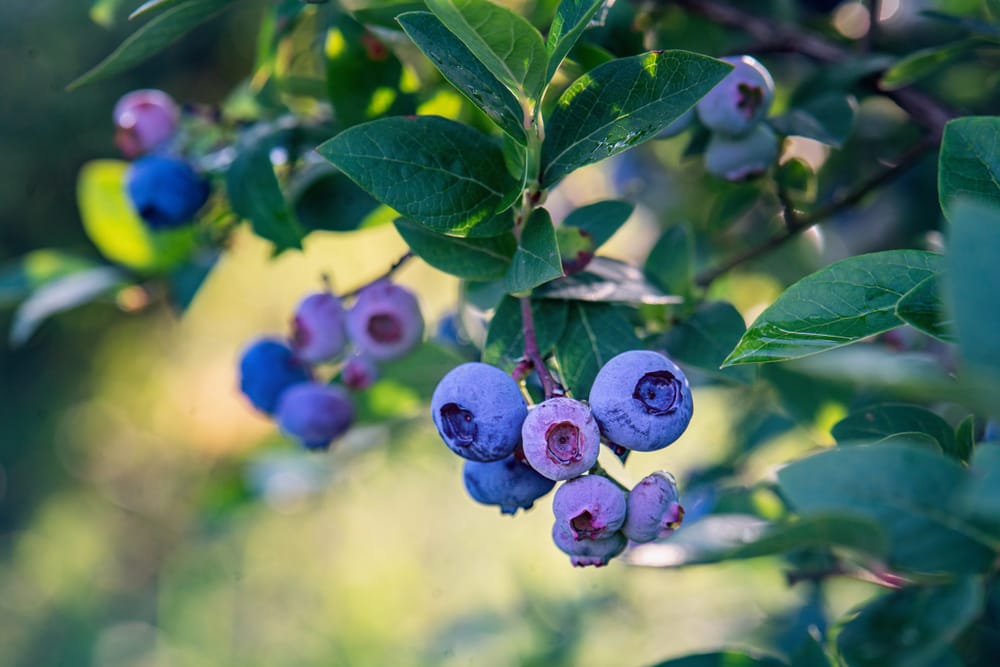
x=165, y=190
x=639, y=401
x=281, y=377
x=741, y=145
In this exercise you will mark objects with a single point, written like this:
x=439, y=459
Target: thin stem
x=407, y=256
x=598, y=469
x=796, y=224
x=531, y=351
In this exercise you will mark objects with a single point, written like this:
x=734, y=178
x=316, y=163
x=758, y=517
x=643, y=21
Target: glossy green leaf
x=457, y=63
x=381, y=12
x=536, y=260
x=723, y=659
x=880, y=421
x=594, y=333
x=980, y=498
x=919, y=64
x=473, y=259
x=621, y=104
x=572, y=18
x=435, y=171
x=969, y=163
x=154, y=6
x=153, y=37
x=703, y=340
x=912, y=627
x=505, y=337
x=255, y=195
x=671, y=261
x=965, y=437
x=840, y=304
x=600, y=220
x=607, y=280
x=973, y=276
x=21, y=276
x=908, y=489
x=503, y=41
x=62, y=294
x=827, y=118
x=923, y=309
x=112, y=223
x=323, y=198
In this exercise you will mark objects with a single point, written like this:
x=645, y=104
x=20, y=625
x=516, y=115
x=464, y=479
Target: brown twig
x=407, y=256
x=531, y=351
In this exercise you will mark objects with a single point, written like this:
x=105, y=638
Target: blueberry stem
x=407, y=256
x=532, y=352
x=598, y=469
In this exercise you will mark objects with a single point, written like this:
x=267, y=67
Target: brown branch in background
x=407, y=256
x=796, y=223
x=532, y=352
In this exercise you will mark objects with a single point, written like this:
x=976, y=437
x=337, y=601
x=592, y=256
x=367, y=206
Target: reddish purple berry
x=267, y=368
x=654, y=509
x=315, y=414
x=145, y=120
x=590, y=507
x=740, y=101
x=385, y=321
x=561, y=438
x=588, y=552
x=318, y=331
x=359, y=372
x=509, y=483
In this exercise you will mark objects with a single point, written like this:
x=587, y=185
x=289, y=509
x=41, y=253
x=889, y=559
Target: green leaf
x=671, y=261
x=472, y=259
x=381, y=12
x=153, y=6
x=22, y=276
x=912, y=627
x=908, y=489
x=827, y=118
x=112, y=223
x=969, y=163
x=607, y=280
x=980, y=499
x=435, y=171
x=255, y=195
x=572, y=18
x=621, y=104
x=880, y=421
x=840, y=304
x=722, y=659
x=503, y=41
x=457, y=63
x=323, y=198
x=923, y=309
x=152, y=38
x=601, y=220
x=965, y=437
x=594, y=333
x=705, y=338
x=505, y=337
x=973, y=276
x=921, y=63
x=536, y=260
x=186, y=280
x=62, y=294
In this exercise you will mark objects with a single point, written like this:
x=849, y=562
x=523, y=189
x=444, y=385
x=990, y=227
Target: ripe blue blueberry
x=561, y=438
x=165, y=192
x=478, y=410
x=145, y=120
x=385, y=321
x=359, y=372
x=738, y=102
x=740, y=158
x=318, y=332
x=591, y=507
x=315, y=414
x=588, y=552
x=267, y=368
x=641, y=400
x=508, y=483
x=654, y=509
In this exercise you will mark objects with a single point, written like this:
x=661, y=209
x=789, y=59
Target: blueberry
x=267, y=368
x=738, y=102
x=164, y=191
x=145, y=120
x=591, y=507
x=561, y=438
x=318, y=332
x=641, y=400
x=385, y=321
x=654, y=509
x=315, y=414
x=588, y=552
x=478, y=410
x=740, y=158
x=508, y=483
x=359, y=372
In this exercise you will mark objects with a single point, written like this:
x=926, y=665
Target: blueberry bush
x=809, y=197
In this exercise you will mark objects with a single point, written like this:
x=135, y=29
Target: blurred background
x=148, y=517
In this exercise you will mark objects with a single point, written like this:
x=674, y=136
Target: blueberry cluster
x=166, y=191
x=281, y=377
x=639, y=401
